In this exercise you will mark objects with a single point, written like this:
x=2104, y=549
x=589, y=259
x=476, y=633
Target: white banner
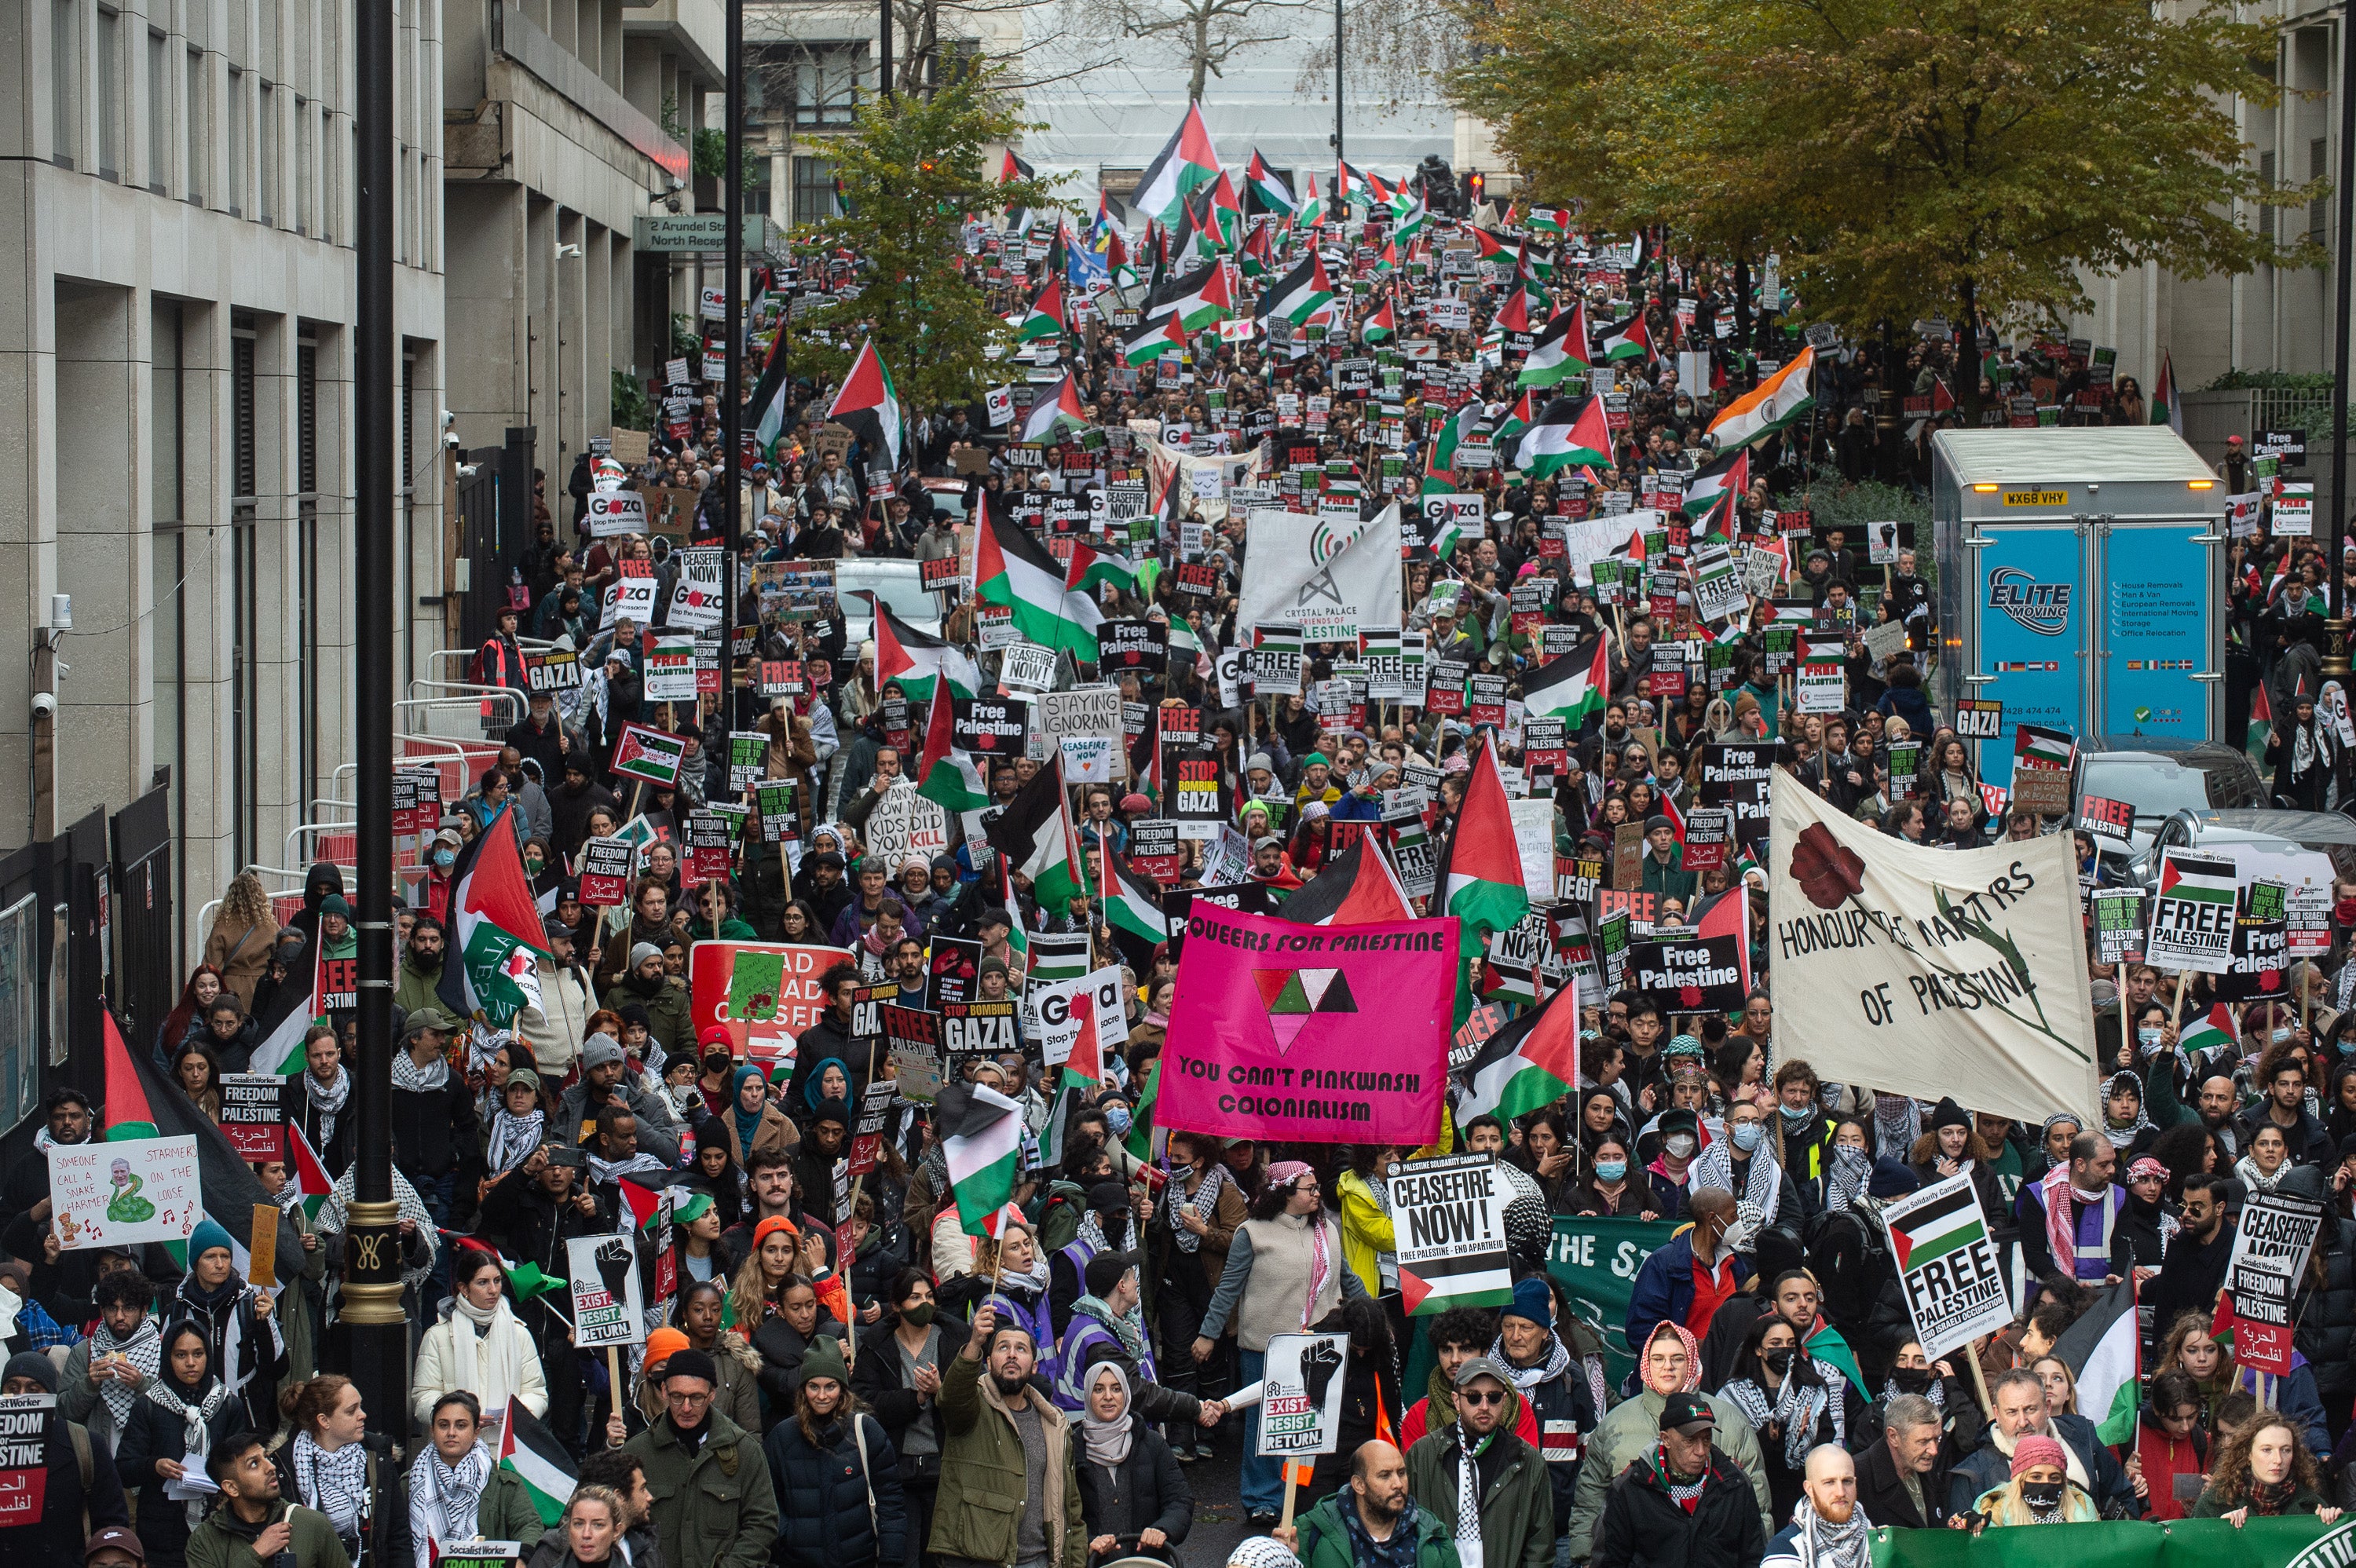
x=117, y=1194
x=1915, y=970
x=1047, y=1011
x=1327, y=578
x=608, y=1307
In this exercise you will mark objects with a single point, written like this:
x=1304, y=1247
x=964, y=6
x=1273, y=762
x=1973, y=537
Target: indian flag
x=916, y=660
x=1053, y=417
x=1780, y=400
x=2100, y=1350
x=1036, y=836
x=1047, y=318
x=981, y=1140
x=1299, y=293
x=1532, y=1061
x=1627, y=339
x=1561, y=350
x=530, y=1453
x=1572, y=687
x=1010, y=570
x=494, y=930
x=1187, y=162
x=1479, y=877
x=1570, y=434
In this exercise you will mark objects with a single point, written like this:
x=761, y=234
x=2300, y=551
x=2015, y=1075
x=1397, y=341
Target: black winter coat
x=2327, y=1318
x=831, y=1513
x=880, y=1378
x=58, y=1539
x=1643, y=1527
x=782, y=1349
x=154, y=1433
x=434, y=1132
x=1145, y=1491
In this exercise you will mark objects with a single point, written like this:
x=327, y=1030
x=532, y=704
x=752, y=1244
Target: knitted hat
x=1657, y=824
x=1892, y=1178
x=663, y=1344
x=833, y=1111
x=1531, y=1300
x=1950, y=1114
x=601, y=1049
x=641, y=952
x=771, y=1226
x=691, y=1363
x=207, y=1235
x=824, y=1359
x=33, y=1365
x=2031, y=1449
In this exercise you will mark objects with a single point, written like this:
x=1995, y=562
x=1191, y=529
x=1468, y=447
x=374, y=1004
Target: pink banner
x=1323, y=1033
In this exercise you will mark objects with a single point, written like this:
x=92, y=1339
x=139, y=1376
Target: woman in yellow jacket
x=1369, y=1244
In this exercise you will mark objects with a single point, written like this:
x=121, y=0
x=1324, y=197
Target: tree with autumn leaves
x=914, y=168
x=1904, y=161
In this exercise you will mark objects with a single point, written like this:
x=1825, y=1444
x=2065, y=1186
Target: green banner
x=2299, y=1542
x=1595, y=1263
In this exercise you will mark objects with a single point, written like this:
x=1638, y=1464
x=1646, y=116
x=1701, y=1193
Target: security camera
x=568, y=252
x=468, y=470
x=450, y=439
x=45, y=705
x=448, y=419
x=676, y=183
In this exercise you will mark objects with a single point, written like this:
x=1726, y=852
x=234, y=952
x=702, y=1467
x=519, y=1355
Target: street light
x=2335, y=661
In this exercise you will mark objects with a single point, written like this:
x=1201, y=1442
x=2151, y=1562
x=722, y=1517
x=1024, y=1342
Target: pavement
x=1218, y=1504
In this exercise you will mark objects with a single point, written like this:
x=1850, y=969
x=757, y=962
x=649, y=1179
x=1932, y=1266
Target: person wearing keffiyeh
x=456, y=1489
x=1482, y=1482
x=124, y=1347
x=1828, y=1525
x=1684, y=1501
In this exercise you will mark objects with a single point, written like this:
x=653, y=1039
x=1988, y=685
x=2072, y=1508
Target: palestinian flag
x=1057, y=415
x=1722, y=477
x=310, y=1177
x=870, y=408
x=530, y=1453
x=947, y=776
x=1349, y=187
x=981, y=1138
x=129, y=1118
x=1010, y=569
x=650, y=754
x=1379, y=325
x=1452, y=432
x=1573, y=688
x=2101, y=1351
x=1780, y=400
x=1532, y=1061
x=2210, y=1030
x=1131, y=905
x=772, y=401
x=1047, y=318
x=1409, y=215
x=1937, y=1229
x=1151, y=341
x=1223, y=213
x=1550, y=219
x=1626, y=339
x=495, y=930
x=1356, y=888
x=1093, y=569
x=2167, y=406
x=1299, y=293
x=1254, y=255
x=1266, y=187
x=1514, y=315
x=1312, y=208
x=1569, y=434
x=1013, y=168
x=1480, y=875
x=2199, y=878
x=1518, y=418
x=1560, y=350
x=282, y=1050
x=1187, y=163
x=1195, y=301
x=2039, y=747
x=919, y=660
x=1036, y=836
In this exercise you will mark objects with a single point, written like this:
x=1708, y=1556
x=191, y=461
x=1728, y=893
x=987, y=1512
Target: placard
x=1948, y=1268
x=867, y=1138
x=1026, y=667
x=616, y=512
x=1979, y=719
x=25, y=1457
x=907, y=825
x=2255, y=1307
x=2119, y=925
x=1449, y=1216
x=608, y=1306
x=978, y=1029
x=254, y=1115
x=605, y=871
x=1049, y=1012
x=1301, y=1403
x=113, y=1194
x=2279, y=1227
x=991, y=725
x=2192, y=916
x=1709, y=834
x=670, y=668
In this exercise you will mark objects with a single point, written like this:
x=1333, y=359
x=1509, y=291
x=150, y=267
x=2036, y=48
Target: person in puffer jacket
x=836, y=1476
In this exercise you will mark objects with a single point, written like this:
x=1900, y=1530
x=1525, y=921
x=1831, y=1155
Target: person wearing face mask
x=1670, y=1170
x=898, y=1374
x=1794, y=1401
x=2023, y=1419
x=1802, y=1133
x=1741, y=1163
x=2039, y=1490
x=1687, y=1279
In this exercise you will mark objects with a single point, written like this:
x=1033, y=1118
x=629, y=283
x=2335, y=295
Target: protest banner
x=709, y=840
x=26, y=1421
x=1301, y=1400
x=953, y=971
x=2119, y=925
x=1709, y=837
x=1085, y=710
x=1155, y=848
x=977, y=1028
x=2255, y=1307
x=1449, y=1215
x=608, y=1305
x=1026, y=667
x=1698, y=971
x=2289, y=1541
x=1737, y=776
x=1324, y=577
x=1269, y=1041
x=1948, y=1266
x=1049, y=1014
x=992, y=726
x=1916, y=969
x=1594, y=1262
x=605, y=871
x=254, y=1115
x=905, y=824
x=765, y=993
x=2110, y=822
x=1979, y=719
x=114, y=1194
x=2261, y=963
x=2192, y=912
x=2278, y=1226
x=476, y=1553
x=558, y=669
x=614, y=512
x=648, y=756
x=867, y=1138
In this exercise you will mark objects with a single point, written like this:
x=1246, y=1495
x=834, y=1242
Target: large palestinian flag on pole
x=1150, y=341
x=1187, y=163
x=1570, y=434
x=1037, y=834
x=1010, y=570
x=530, y=1453
x=1627, y=339
x=1780, y=400
x=1046, y=318
x=1300, y=293
x=916, y=659
x=1532, y=1061
x=1197, y=300
x=1560, y=350
x=1057, y=414
x=1480, y=875
x=2102, y=1350
x=981, y=1140
x=1572, y=687
x=1721, y=478
x=867, y=405
x=495, y=930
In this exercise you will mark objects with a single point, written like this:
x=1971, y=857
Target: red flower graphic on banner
x=1828, y=872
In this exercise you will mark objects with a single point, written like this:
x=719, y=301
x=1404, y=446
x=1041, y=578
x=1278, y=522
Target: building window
x=2318, y=163
x=826, y=84
x=246, y=641
x=199, y=125
x=306, y=508
x=957, y=60
x=65, y=66
x=2266, y=213
x=159, y=112
x=813, y=189
x=235, y=109
x=244, y=459
x=266, y=194
x=106, y=73
x=305, y=169
x=168, y=654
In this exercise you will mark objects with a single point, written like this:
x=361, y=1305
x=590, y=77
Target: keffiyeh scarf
x=196, y=1423
x=2122, y=1137
x=332, y=1484
x=1852, y=1168
x=328, y=1101
x=443, y=1499
x=145, y=1350
x=1526, y=1379
x=1204, y=1203
x=1762, y=1186
x=1797, y=1405
x=1468, y=1499
x=333, y=1216
x=1896, y=1123
x=513, y=1139
x=411, y=1079
x=1128, y=1326
x=1824, y=1544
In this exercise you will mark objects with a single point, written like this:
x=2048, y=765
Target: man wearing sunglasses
x=1479, y=1457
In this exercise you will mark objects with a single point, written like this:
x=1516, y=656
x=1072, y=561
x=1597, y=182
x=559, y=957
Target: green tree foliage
x=912, y=171
x=1905, y=161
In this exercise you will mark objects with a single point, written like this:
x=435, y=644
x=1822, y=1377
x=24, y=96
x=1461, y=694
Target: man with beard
x=106, y=1372
x=651, y=984
x=1374, y=1522
x=531, y=1213
x=1513, y=1507
x=2218, y=1105
x=27, y=1187
x=1684, y=1503
x=604, y=1080
x=421, y=967
x=1003, y=1439
x=1826, y=1530
x=2194, y=1268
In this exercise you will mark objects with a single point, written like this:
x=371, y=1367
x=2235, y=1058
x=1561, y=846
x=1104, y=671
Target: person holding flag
x=477, y=1349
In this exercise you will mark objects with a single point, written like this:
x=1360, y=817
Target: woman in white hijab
x=1131, y=1486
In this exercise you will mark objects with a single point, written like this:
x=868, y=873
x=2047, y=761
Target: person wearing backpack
x=82, y=1493
x=835, y=1474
